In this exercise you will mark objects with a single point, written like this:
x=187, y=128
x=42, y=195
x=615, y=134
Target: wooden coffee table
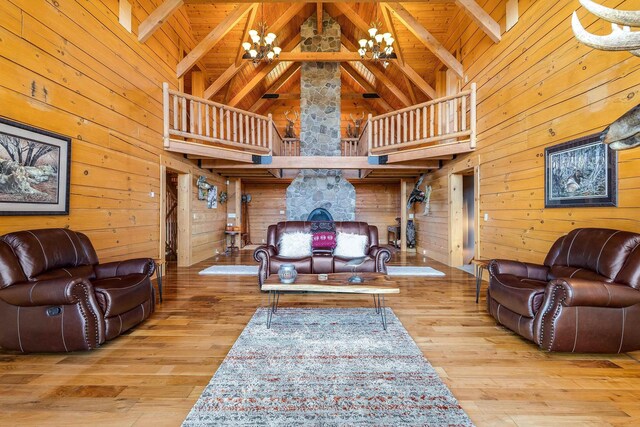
x=375, y=284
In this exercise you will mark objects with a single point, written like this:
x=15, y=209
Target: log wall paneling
x=537, y=88
x=70, y=67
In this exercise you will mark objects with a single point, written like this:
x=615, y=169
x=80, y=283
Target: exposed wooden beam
x=209, y=151
x=360, y=23
x=433, y=151
x=277, y=173
x=426, y=37
x=320, y=56
x=482, y=18
x=319, y=17
x=307, y=162
x=388, y=22
x=213, y=38
x=364, y=84
x=245, y=34
x=344, y=96
x=275, y=86
x=321, y=1
x=157, y=18
x=260, y=75
x=233, y=69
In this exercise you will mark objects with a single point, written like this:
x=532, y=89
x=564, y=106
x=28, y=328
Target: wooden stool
x=480, y=266
x=159, y=273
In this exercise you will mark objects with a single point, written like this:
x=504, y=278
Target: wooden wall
x=538, y=87
x=378, y=204
x=69, y=67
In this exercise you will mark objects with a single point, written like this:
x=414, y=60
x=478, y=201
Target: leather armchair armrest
x=588, y=293
x=62, y=291
x=122, y=268
x=381, y=255
x=262, y=255
x=518, y=269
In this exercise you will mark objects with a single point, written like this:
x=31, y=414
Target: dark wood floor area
x=154, y=374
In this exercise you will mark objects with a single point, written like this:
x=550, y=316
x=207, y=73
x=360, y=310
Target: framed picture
x=582, y=172
x=34, y=170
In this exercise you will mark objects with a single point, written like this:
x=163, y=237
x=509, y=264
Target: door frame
x=456, y=206
x=185, y=178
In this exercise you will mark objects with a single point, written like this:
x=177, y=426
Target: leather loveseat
x=584, y=298
x=56, y=297
x=319, y=261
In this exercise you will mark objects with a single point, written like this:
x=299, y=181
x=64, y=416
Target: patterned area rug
x=252, y=270
x=325, y=367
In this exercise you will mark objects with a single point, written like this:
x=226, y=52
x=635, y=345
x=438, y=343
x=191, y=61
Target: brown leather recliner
x=56, y=297
x=585, y=298
x=320, y=261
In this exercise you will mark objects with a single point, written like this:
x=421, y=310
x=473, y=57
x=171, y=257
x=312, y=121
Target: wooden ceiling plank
x=319, y=17
x=364, y=84
x=233, y=69
x=381, y=76
x=275, y=86
x=425, y=37
x=156, y=18
x=212, y=38
x=245, y=34
x=406, y=69
x=261, y=74
x=482, y=18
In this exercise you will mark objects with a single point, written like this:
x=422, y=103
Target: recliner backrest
x=10, y=269
x=274, y=232
x=599, y=250
x=40, y=251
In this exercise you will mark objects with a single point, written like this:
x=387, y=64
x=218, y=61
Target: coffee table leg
x=272, y=302
x=383, y=311
x=275, y=304
x=376, y=303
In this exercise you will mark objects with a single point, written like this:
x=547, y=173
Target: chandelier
x=379, y=46
x=262, y=46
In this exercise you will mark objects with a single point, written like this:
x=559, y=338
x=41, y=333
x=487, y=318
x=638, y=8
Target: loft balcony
x=400, y=143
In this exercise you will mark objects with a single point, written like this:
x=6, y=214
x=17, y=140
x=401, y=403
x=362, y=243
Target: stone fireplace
x=320, y=129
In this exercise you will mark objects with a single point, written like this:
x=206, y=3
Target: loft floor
x=153, y=375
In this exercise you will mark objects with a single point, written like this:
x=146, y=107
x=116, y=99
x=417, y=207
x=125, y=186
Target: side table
x=159, y=273
x=232, y=242
x=480, y=266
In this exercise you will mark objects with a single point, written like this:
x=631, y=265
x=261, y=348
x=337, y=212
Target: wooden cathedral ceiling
x=249, y=82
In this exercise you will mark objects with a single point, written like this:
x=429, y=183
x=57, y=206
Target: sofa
x=320, y=261
x=56, y=297
x=584, y=298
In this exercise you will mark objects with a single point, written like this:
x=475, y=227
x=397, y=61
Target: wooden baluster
x=253, y=131
x=432, y=118
x=184, y=114
x=200, y=132
x=228, y=125
x=463, y=113
x=455, y=115
x=411, y=126
x=241, y=128
x=176, y=112
x=404, y=127
x=247, y=131
x=387, y=131
x=192, y=117
x=214, y=121
x=424, y=122
x=264, y=131
x=221, y=122
x=417, y=135
x=447, y=112
x=375, y=132
x=399, y=128
x=235, y=126
x=206, y=120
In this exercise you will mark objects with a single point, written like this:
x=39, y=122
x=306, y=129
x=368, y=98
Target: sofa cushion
x=520, y=295
x=351, y=245
x=340, y=265
x=302, y=265
x=294, y=245
x=83, y=271
x=323, y=240
x=563, y=272
x=117, y=295
x=47, y=249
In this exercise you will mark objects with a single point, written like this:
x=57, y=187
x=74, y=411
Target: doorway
x=468, y=219
x=171, y=217
x=464, y=190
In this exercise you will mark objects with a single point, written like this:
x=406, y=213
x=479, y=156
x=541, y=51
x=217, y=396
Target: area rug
x=325, y=367
x=242, y=270
x=413, y=271
x=252, y=270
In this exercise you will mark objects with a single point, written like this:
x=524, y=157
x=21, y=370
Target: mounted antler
x=621, y=38
x=289, y=131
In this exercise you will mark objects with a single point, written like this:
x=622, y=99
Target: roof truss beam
x=482, y=18
x=156, y=18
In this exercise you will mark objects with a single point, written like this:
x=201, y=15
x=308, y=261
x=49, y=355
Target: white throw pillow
x=350, y=245
x=295, y=245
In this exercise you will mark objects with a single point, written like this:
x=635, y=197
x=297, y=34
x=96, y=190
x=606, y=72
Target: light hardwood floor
x=153, y=375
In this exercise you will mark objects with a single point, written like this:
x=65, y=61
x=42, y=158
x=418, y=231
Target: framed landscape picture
x=34, y=170
x=582, y=172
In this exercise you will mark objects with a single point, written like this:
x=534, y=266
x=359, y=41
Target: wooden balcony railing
x=194, y=119
x=447, y=120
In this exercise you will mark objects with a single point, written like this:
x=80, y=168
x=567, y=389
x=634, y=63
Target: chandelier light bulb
x=277, y=50
x=246, y=46
x=253, y=53
x=378, y=38
x=372, y=32
x=271, y=36
x=390, y=41
x=362, y=51
x=253, y=33
x=370, y=43
x=386, y=36
x=270, y=55
x=362, y=42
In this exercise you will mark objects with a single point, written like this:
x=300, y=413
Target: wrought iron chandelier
x=379, y=46
x=262, y=46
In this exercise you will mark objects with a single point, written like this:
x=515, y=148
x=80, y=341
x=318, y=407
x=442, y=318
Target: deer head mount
x=354, y=131
x=289, y=131
x=621, y=38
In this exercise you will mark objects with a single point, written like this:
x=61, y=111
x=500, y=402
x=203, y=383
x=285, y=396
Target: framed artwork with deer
x=581, y=172
x=34, y=170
